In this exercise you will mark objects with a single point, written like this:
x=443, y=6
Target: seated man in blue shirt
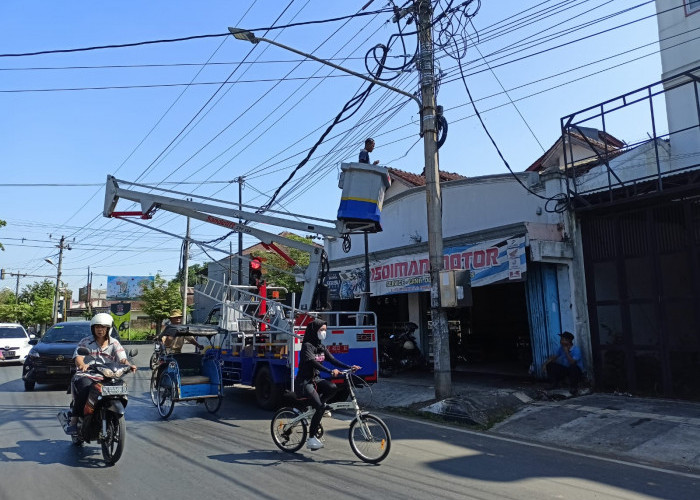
x=566, y=363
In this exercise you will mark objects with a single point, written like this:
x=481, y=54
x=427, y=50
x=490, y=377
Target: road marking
x=549, y=448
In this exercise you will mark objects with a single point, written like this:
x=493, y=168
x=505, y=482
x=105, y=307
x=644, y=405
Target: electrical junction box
x=363, y=188
x=455, y=288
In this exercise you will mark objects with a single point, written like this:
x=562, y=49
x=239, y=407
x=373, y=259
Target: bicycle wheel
x=166, y=395
x=369, y=439
x=154, y=387
x=154, y=360
x=292, y=439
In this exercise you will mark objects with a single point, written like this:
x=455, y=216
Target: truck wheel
x=267, y=393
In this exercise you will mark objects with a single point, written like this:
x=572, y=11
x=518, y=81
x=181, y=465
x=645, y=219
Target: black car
x=51, y=359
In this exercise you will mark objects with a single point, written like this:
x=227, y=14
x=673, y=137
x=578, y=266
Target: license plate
x=111, y=390
x=9, y=354
x=56, y=370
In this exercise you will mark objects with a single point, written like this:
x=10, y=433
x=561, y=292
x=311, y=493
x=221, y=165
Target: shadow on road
x=53, y=451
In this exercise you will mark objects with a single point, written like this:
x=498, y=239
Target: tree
x=40, y=297
x=276, y=270
x=195, y=274
x=46, y=289
x=7, y=297
x=14, y=313
x=41, y=311
x=160, y=299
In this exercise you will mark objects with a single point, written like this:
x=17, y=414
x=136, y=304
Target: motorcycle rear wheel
x=115, y=439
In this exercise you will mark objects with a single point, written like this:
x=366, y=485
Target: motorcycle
x=400, y=352
x=103, y=416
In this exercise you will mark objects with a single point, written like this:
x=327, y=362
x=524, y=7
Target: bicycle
x=369, y=436
x=158, y=348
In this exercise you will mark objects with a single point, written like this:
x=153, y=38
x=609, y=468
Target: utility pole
x=240, y=181
x=429, y=121
x=17, y=288
x=88, y=301
x=61, y=246
x=185, y=267
x=441, y=338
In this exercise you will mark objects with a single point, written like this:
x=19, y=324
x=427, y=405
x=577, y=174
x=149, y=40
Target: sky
x=195, y=115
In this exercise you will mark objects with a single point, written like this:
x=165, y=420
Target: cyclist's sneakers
x=314, y=444
x=327, y=413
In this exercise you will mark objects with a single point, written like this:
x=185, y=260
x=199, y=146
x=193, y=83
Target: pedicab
x=188, y=376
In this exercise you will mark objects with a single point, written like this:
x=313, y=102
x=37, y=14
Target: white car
x=14, y=343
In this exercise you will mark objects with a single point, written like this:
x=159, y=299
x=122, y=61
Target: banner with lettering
x=488, y=261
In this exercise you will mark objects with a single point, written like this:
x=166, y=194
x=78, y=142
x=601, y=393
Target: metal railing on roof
x=614, y=172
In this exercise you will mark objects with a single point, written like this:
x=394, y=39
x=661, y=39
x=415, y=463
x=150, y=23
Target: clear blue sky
x=70, y=119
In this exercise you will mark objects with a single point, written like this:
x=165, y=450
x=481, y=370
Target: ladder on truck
x=253, y=326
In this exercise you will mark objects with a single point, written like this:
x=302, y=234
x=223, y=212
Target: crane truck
x=259, y=336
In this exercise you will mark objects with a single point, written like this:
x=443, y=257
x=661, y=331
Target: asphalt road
x=231, y=455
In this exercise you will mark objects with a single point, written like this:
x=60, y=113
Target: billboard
x=126, y=287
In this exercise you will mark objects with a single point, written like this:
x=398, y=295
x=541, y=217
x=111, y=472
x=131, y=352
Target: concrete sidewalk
x=655, y=432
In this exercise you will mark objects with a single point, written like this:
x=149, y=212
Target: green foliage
x=46, y=289
x=276, y=270
x=35, y=304
x=195, y=274
x=160, y=299
x=41, y=311
x=139, y=334
x=7, y=297
x=15, y=313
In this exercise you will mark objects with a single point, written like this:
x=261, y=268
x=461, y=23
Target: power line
x=166, y=85
x=187, y=38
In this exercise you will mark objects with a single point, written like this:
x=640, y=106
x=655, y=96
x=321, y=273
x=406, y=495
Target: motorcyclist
x=318, y=390
x=102, y=347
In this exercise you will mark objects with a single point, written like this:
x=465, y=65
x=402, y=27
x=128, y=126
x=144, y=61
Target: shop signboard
x=491, y=261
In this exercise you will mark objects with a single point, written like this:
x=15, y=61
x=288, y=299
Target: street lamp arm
x=247, y=35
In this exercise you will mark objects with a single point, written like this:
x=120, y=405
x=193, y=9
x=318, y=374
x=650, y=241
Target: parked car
x=14, y=343
x=50, y=361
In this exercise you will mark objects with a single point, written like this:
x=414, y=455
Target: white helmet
x=101, y=319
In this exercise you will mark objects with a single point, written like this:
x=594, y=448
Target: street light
x=428, y=123
x=248, y=36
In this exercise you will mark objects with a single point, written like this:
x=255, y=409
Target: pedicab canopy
x=190, y=330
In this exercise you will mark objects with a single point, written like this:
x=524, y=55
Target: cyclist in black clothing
x=318, y=390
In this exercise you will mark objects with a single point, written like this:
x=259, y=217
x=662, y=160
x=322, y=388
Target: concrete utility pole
x=61, y=246
x=240, y=181
x=185, y=267
x=441, y=334
x=17, y=288
x=424, y=12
